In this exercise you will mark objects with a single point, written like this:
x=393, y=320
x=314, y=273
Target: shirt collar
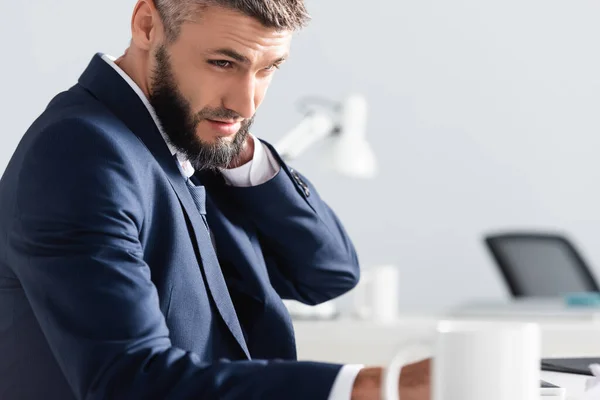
x=111, y=61
x=184, y=164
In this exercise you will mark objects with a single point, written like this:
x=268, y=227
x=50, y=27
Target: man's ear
x=146, y=25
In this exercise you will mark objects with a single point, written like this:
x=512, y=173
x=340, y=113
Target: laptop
x=580, y=366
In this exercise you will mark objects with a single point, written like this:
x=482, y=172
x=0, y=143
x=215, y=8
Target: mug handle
x=409, y=353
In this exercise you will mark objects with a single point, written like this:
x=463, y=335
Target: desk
x=363, y=342
x=353, y=341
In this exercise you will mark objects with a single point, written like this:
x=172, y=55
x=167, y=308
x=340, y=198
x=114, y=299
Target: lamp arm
x=310, y=130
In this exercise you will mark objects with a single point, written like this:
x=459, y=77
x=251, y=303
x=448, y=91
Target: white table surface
x=363, y=342
x=354, y=341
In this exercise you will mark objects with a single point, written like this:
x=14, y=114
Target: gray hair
x=278, y=14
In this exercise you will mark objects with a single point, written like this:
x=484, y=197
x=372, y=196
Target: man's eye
x=272, y=67
x=221, y=63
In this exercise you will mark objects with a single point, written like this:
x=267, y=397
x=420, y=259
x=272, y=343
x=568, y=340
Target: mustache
x=218, y=113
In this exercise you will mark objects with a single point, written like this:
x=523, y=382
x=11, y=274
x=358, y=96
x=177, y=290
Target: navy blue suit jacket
x=104, y=289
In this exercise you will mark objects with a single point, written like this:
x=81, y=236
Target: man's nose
x=242, y=98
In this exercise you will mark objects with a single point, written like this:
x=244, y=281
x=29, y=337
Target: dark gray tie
x=212, y=269
x=199, y=196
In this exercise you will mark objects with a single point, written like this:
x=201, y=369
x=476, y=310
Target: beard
x=179, y=122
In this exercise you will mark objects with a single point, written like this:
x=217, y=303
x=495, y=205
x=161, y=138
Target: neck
x=135, y=67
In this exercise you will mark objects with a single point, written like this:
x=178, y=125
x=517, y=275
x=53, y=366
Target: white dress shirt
x=261, y=168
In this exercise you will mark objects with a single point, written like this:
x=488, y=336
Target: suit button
x=306, y=190
x=300, y=182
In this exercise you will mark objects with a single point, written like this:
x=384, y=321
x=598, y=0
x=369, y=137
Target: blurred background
x=483, y=116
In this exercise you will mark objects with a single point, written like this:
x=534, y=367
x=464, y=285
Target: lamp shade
x=353, y=157
x=350, y=153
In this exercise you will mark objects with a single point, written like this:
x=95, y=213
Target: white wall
x=484, y=115
x=45, y=47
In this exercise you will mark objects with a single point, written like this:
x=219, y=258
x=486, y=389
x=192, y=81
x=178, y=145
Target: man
x=147, y=237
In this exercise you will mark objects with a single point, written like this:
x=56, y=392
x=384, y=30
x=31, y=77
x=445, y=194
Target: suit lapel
x=108, y=87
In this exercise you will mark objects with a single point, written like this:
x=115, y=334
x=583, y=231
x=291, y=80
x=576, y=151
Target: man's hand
x=246, y=154
x=415, y=382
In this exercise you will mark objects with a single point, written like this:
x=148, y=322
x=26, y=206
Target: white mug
x=376, y=297
x=476, y=360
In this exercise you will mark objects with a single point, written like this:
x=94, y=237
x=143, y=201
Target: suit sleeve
x=309, y=255
x=76, y=251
